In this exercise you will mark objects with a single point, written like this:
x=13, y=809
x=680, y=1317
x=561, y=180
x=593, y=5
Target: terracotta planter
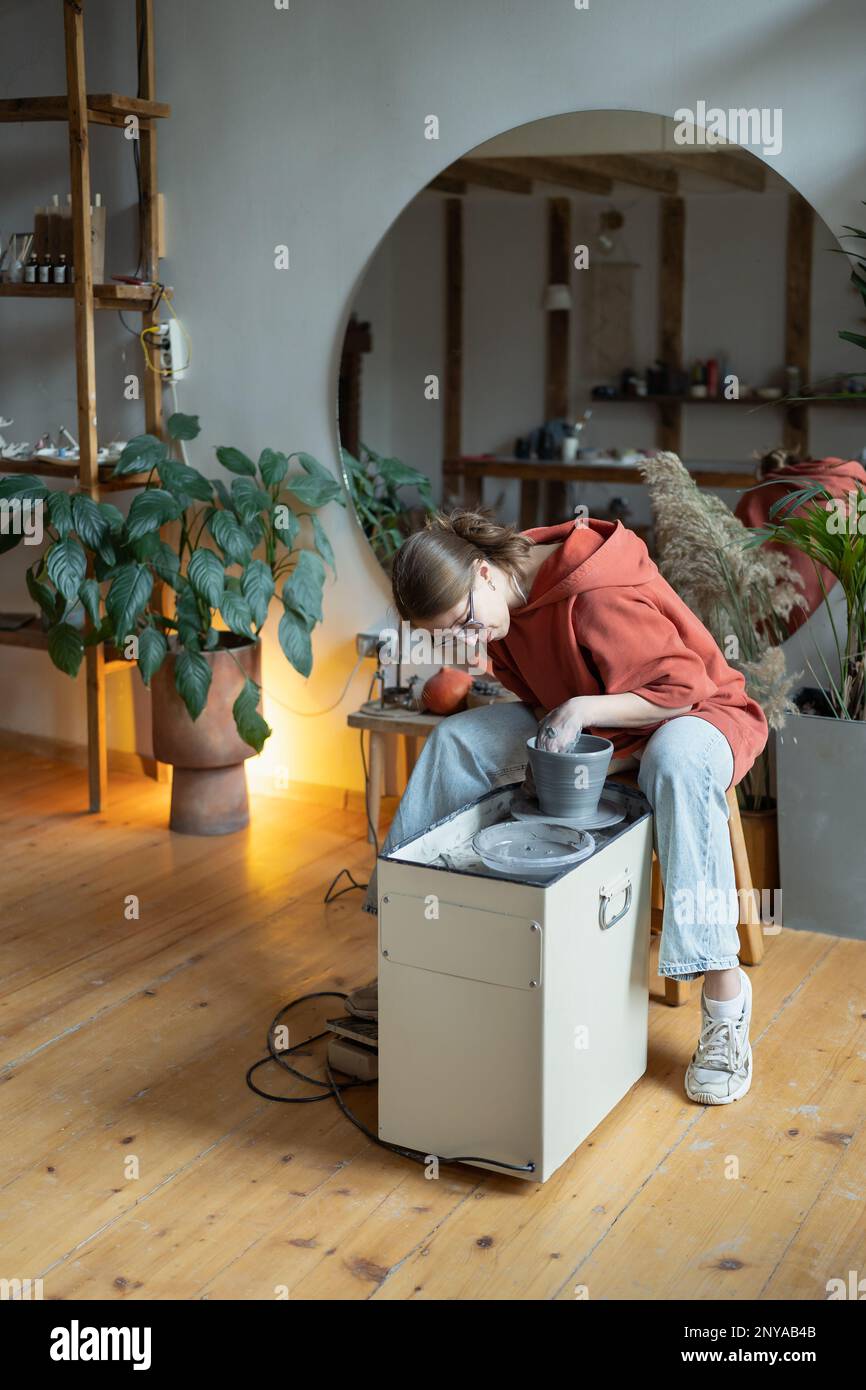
x=760, y=831
x=209, y=786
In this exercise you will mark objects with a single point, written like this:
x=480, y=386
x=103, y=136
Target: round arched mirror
x=579, y=292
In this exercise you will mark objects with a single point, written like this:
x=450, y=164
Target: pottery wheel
x=608, y=812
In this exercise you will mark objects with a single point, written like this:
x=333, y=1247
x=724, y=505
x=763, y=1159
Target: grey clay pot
x=571, y=784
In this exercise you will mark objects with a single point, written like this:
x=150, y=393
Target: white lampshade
x=557, y=297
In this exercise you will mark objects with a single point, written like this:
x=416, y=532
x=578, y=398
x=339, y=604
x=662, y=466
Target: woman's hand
x=562, y=726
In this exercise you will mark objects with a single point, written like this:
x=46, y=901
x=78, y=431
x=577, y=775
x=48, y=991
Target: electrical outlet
x=366, y=643
x=174, y=352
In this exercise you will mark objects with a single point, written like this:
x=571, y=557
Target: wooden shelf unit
x=114, y=296
x=78, y=110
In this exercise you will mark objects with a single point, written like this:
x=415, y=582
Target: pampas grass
x=743, y=595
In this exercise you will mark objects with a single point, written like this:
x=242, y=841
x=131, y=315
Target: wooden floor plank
x=130, y=1038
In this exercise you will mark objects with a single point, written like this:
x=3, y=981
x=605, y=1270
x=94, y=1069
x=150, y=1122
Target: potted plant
x=189, y=611
x=822, y=756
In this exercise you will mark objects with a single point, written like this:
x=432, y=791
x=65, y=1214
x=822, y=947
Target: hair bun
x=477, y=527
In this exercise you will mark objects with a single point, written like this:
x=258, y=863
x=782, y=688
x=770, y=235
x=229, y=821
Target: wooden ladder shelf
x=80, y=110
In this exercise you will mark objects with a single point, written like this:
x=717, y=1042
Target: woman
x=581, y=626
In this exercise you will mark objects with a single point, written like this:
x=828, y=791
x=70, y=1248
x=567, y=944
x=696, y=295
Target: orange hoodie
x=601, y=620
x=839, y=476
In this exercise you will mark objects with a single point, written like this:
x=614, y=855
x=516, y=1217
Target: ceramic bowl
x=571, y=784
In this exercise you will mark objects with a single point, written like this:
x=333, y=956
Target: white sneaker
x=721, y=1067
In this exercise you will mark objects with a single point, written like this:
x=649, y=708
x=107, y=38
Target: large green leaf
x=257, y=586
x=89, y=520
x=192, y=678
x=67, y=566
x=856, y=338
x=150, y=510
x=235, y=461
x=89, y=594
x=42, y=595
x=190, y=622
x=140, y=455
x=223, y=493
x=303, y=588
x=114, y=517
x=183, y=426
x=105, y=561
x=250, y=725
x=295, y=642
x=65, y=648
x=165, y=563
x=273, y=466
x=207, y=576
x=144, y=548
x=316, y=486
x=23, y=486
x=60, y=512
x=236, y=612
x=248, y=499
x=231, y=538
x=183, y=482
x=152, y=651
x=323, y=545
x=286, y=524
x=130, y=589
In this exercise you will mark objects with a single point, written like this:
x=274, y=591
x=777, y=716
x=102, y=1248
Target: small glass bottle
x=45, y=270
x=31, y=269
x=59, y=269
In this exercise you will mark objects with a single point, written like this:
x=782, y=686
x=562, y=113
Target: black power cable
x=331, y=1089
x=353, y=882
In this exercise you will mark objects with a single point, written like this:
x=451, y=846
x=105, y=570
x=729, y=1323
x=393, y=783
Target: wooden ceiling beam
x=544, y=169
x=628, y=168
x=725, y=165
x=446, y=184
x=488, y=175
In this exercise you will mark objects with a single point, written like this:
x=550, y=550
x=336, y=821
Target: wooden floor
x=137, y=1164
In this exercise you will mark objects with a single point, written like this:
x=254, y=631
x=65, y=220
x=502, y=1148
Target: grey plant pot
x=571, y=784
x=820, y=774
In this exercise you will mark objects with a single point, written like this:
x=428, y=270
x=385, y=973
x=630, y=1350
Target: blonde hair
x=434, y=568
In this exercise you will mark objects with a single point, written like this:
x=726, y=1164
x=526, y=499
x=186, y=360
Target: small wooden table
x=385, y=726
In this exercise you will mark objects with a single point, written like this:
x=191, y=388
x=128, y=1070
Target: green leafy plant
x=101, y=574
x=831, y=532
x=374, y=482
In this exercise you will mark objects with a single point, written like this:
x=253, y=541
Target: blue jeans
x=685, y=770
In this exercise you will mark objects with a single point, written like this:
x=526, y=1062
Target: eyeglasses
x=472, y=623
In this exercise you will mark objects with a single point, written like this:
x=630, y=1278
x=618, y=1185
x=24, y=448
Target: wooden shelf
x=112, y=296
x=103, y=108
x=34, y=637
x=69, y=469
x=554, y=470
x=851, y=398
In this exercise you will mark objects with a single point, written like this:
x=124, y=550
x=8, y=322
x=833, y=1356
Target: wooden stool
x=749, y=930
x=386, y=726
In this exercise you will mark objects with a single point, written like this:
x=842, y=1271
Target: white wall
x=306, y=127
x=734, y=310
